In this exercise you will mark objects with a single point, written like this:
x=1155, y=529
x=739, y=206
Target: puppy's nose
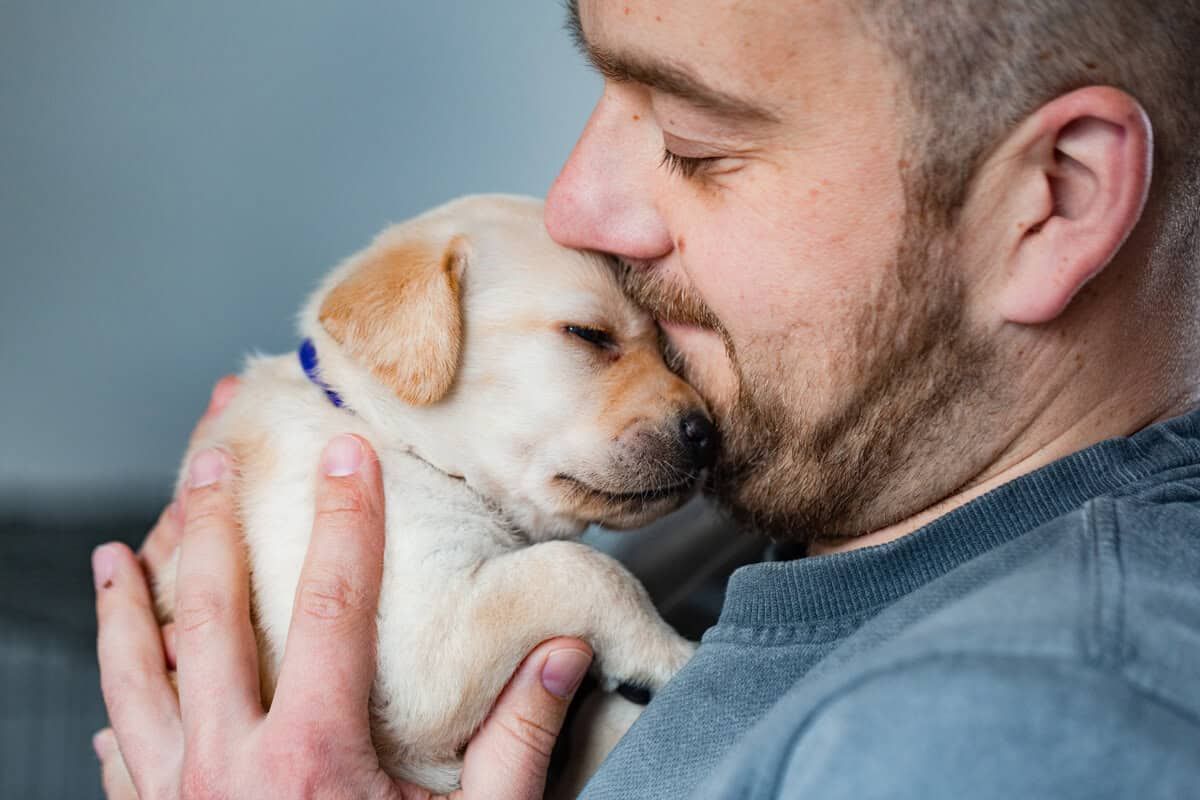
x=700, y=439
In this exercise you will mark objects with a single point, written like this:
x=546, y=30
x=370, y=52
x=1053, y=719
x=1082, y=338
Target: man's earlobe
x=1088, y=158
x=399, y=314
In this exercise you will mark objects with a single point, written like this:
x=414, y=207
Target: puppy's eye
x=593, y=336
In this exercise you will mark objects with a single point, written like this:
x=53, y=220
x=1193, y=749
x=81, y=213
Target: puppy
x=514, y=395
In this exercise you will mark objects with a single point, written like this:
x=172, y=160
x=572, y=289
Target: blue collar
x=308, y=362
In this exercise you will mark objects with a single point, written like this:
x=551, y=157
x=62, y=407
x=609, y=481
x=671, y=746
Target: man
x=934, y=267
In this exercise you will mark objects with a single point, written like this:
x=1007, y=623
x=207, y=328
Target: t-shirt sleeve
x=970, y=727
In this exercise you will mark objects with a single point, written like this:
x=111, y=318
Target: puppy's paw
x=677, y=653
x=648, y=667
x=682, y=653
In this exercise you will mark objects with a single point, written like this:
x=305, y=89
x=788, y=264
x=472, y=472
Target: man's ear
x=1079, y=173
x=399, y=313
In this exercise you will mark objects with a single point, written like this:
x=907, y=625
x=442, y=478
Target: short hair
x=975, y=68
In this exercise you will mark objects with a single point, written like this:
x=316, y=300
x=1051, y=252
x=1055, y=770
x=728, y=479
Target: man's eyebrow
x=666, y=78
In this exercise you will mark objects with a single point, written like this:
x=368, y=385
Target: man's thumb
x=508, y=758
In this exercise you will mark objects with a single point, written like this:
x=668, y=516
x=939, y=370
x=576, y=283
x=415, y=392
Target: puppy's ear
x=399, y=313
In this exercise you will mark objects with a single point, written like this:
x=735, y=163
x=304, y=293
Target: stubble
x=911, y=377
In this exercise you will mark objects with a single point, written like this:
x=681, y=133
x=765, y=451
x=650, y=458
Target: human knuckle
x=207, y=512
x=123, y=681
x=151, y=781
x=294, y=760
x=330, y=596
x=124, y=607
x=199, y=779
x=344, y=505
x=210, y=761
x=125, y=677
x=158, y=787
x=529, y=732
x=198, y=607
x=311, y=742
x=208, y=746
x=122, y=690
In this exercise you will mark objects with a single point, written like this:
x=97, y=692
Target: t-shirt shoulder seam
x=1105, y=641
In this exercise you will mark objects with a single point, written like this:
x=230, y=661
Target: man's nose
x=603, y=199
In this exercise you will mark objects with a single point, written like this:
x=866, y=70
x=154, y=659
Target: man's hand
x=213, y=739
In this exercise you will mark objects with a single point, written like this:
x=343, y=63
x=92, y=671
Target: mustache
x=666, y=301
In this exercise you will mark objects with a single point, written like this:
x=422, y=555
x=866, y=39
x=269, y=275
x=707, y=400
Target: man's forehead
x=756, y=53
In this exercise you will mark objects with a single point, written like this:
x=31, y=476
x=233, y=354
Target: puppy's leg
x=602, y=720
x=568, y=589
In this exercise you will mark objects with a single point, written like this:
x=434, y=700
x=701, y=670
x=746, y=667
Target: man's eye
x=682, y=165
x=593, y=336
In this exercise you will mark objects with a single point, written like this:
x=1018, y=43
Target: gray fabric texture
x=1041, y=641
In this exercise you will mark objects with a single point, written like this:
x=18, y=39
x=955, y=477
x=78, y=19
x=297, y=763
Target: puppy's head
x=469, y=336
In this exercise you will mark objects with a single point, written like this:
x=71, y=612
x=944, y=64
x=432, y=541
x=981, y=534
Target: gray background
x=174, y=177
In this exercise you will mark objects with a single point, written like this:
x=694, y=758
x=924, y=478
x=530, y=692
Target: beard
x=894, y=425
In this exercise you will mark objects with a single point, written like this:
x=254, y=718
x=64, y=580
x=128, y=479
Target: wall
x=174, y=177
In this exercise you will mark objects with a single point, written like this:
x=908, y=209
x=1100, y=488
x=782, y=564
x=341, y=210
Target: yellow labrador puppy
x=513, y=395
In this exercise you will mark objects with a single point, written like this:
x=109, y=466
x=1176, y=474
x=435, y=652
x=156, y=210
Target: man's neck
x=1041, y=445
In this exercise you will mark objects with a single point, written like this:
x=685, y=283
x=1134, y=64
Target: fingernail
x=104, y=566
x=207, y=468
x=564, y=670
x=343, y=456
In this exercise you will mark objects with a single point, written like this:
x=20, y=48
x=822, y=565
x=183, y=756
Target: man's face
x=745, y=163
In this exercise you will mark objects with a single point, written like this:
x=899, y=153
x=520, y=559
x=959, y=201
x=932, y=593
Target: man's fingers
x=508, y=758
x=133, y=674
x=218, y=659
x=162, y=540
x=104, y=742
x=329, y=662
x=114, y=776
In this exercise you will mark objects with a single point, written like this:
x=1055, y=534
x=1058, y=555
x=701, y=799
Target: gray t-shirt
x=1041, y=641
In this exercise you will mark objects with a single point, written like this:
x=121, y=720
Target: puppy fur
x=501, y=434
